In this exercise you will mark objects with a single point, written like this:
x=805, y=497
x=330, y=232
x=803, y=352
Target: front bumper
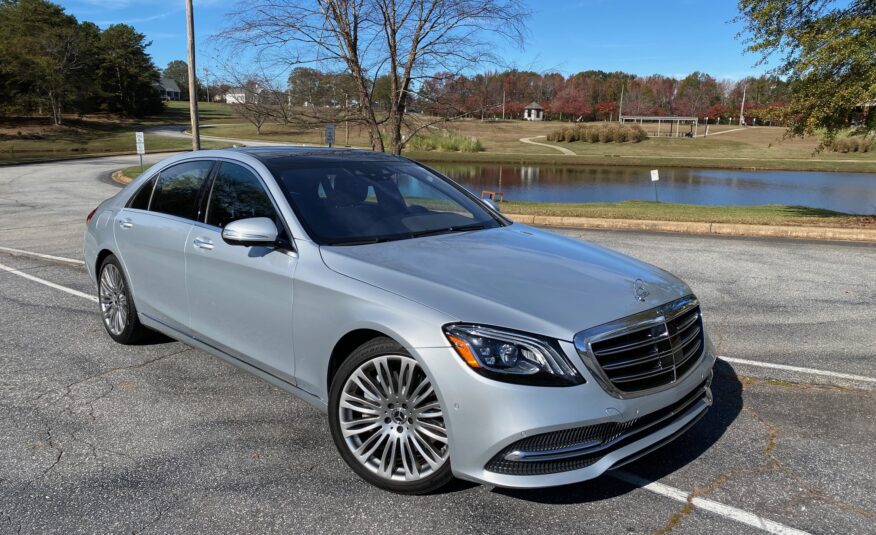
x=485, y=418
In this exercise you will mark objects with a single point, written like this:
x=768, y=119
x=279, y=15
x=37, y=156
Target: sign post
x=655, y=177
x=330, y=134
x=141, y=147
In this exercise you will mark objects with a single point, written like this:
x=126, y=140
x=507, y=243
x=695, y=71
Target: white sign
x=141, y=142
x=655, y=175
x=330, y=134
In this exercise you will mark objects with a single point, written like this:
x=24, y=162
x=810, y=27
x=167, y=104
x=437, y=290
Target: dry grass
x=772, y=214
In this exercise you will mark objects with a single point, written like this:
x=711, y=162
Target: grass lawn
x=34, y=139
x=772, y=214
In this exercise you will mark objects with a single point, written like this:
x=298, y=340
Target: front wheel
x=387, y=422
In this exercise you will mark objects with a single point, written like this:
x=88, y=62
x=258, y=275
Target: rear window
x=176, y=192
x=141, y=198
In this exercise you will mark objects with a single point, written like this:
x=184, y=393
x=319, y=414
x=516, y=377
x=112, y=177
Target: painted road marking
x=720, y=509
x=53, y=258
x=811, y=371
x=50, y=284
x=726, y=511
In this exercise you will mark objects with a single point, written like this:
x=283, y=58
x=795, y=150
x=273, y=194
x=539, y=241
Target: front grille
x=649, y=350
x=554, y=452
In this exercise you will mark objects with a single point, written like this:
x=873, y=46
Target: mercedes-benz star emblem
x=641, y=290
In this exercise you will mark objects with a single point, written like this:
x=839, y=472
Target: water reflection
x=844, y=192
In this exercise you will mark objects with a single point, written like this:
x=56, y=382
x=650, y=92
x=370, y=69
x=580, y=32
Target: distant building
x=167, y=89
x=248, y=94
x=533, y=112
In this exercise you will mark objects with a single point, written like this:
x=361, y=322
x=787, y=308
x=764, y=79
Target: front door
x=151, y=234
x=241, y=297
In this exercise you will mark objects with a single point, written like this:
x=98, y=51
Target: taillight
x=90, y=215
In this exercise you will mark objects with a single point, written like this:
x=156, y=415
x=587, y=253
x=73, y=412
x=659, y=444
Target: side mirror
x=492, y=204
x=251, y=231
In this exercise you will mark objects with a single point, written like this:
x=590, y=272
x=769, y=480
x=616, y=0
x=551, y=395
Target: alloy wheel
x=391, y=419
x=113, y=299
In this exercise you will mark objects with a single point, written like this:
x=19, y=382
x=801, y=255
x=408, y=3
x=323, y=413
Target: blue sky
x=671, y=37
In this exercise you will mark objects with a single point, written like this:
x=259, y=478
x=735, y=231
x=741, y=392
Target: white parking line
x=811, y=371
x=725, y=511
x=50, y=284
x=53, y=258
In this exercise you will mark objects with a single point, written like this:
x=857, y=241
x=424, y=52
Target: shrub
x=852, y=144
x=445, y=142
x=600, y=133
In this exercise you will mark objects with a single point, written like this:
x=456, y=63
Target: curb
x=688, y=227
x=121, y=178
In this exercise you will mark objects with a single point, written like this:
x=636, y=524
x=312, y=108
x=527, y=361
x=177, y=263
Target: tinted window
x=363, y=202
x=177, y=190
x=141, y=198
x=237, y=194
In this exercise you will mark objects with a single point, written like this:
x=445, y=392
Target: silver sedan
x=442, y=339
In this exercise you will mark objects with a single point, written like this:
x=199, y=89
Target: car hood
x=517, y=277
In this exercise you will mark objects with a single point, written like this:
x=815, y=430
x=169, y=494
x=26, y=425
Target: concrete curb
x=687, y=227
x=121, y=178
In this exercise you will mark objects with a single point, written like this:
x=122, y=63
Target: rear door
x=151, y=235
x=240, y=296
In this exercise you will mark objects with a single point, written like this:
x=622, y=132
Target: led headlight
x=512, y=356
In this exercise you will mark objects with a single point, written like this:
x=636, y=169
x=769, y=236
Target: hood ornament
x=641, y=290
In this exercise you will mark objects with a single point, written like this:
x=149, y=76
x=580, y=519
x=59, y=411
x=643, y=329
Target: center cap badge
x=641, y=290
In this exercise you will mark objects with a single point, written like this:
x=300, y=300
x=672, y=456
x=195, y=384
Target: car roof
x=317, y=154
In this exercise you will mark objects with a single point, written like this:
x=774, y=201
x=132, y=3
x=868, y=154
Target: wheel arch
x=346, y=345
x=101, y=256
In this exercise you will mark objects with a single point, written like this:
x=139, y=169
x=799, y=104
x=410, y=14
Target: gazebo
x=533, y=112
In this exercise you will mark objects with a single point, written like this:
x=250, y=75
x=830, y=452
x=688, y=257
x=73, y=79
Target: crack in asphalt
x=806, y=488
x=52, y=441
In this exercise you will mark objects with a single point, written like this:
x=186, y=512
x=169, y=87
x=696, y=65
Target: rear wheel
x=116, y=306
x=387, y=422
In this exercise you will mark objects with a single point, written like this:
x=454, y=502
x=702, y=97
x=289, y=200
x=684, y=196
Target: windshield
x=355, y=202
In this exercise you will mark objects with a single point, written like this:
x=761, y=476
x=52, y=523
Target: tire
x=117, y=310
x=391, y=433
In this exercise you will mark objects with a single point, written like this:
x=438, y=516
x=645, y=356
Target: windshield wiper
x=461, y=228
x=363, y=241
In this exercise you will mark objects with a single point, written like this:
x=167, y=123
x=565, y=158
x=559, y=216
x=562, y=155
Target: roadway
x=164, y=438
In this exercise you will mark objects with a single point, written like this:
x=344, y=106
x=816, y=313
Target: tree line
x=51, y=62
x=598, y=95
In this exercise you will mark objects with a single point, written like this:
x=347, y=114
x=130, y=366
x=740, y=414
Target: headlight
x=511, y=356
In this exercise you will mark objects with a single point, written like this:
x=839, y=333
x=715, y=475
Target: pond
x=843, y=192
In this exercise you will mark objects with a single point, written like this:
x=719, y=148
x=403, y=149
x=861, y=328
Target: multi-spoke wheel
x=113, y=300
x=387, y=421
x=116, y=306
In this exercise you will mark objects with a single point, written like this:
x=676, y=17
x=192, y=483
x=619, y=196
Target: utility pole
x=503, y=104
x=620, y=108
x=346, y=121
x=742, y=107
x=193, y=88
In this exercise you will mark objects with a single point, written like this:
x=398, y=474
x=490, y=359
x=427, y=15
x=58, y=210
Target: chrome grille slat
x=689, y=322
x=626, y=364
x=620, y=364
x=633, y=345
x=643, y=375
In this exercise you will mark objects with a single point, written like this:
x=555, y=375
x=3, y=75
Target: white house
x=533, y=112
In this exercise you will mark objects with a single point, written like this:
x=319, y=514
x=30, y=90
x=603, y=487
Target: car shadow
x=727, y=392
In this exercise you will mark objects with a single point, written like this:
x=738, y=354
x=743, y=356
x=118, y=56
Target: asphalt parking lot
x=162, y=438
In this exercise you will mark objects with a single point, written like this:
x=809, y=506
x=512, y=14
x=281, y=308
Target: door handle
x=126, y=223
x=203, y=243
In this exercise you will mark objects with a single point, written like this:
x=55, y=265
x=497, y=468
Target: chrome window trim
x=656, y=316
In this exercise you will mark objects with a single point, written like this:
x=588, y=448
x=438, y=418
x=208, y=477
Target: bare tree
x=402, y=39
